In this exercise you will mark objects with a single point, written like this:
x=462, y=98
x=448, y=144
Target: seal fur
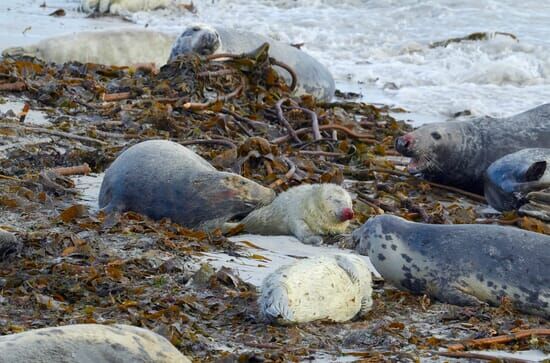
x=337, y=288
x=510, y=179
x=459, y=152
x=163, y=179
x=461, y=264
x=313, y=77
x=305, y=211
x=89, y=343
x=121, y=7
x=123, y=47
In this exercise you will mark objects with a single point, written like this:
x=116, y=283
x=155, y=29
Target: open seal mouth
x=417, y=165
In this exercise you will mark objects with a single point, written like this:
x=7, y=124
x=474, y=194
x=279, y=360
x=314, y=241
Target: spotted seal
x=122, y=47
x=305, y=211
x=89, y=343
x=461, y=264
x=458, y=152
x=517, y=181
x=313, y=77
x=337, y=288
x=163, y=179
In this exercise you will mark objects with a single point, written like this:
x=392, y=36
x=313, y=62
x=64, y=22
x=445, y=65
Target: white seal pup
x=122, y=7
x=337, y=288
x=462, y=264
x=87, y=343
x=459, y=152
x=307, y=211
x=313, y=77
x=513, y=180
x=123, y=47
x=163, y=179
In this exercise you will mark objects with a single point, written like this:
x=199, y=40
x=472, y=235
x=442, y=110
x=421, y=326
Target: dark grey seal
x=163, y=179
x=458, y=152
x=461, y=264
x=517, y=182
x=313, y=77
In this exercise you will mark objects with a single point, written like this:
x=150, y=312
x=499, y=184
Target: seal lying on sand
x=458, y=152
x=120, y=7
x=517, y=179
x=337, y=288
x=305, y=211
x=8, y=244
x=162, y=179
x=461, y=264
x=122, y=47
x=89, y=343
x=313, y=77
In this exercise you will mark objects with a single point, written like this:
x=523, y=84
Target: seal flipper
x=347, y=265
x=457, y=295
x=302, y=231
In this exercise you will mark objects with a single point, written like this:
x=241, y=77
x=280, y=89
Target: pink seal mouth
x=347, y=214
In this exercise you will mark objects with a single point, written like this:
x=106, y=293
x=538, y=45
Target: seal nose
x=403, y=143
x=347, y=214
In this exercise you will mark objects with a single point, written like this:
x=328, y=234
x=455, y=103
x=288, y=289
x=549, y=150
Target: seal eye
x=196, y=28
x=436, y=135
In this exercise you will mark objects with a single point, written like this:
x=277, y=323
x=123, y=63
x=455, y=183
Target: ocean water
x=378, y=48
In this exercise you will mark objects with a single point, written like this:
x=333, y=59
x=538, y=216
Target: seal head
x=200, y=38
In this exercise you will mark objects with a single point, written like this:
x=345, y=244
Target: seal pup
x=89, y=343
x=305, y=211
x=313, y=77
x=464, y=264
x=458, y=152
x=123, y=47
x=121, y=7
x=337, y=288
x=163, y=179
x=510, y=180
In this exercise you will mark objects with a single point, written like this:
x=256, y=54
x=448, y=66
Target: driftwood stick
x=289, y=174
x=366, y=138
x=321, y=153
x=252, y=123
x=289, y=69
x=197, y=106
x=110, y=97
x=314, y=122
x=40, y=130
x=499, y=339
x=83, y=169
x=223, y=142
x=13, y=87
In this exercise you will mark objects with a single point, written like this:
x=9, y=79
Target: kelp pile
x=78, y=266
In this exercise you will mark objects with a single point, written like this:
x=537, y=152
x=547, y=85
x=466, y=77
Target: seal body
x=510, y=179
x=87, y=343
x=337, y=288
x=120, y=7
x=162, y=179
x=122, y=47
x=305, y=211
x=459, y=152
x=461, y=264
x=313, y=77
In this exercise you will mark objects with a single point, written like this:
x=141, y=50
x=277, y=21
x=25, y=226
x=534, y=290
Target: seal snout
x=404, y=144
x=346, y=215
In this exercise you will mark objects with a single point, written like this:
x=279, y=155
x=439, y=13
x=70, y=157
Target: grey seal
x=123, y=47
x=458, y=152
x=337, y=288
x=516, y=181
x=461, y=264
x=163, y=179
x=89, y=343
x=313, y=77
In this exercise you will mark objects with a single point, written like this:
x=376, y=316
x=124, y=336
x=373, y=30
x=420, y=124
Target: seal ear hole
x=436, y=135
x=535, y=171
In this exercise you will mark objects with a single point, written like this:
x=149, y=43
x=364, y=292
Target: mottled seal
x=121, y=7
x=87, y=343
x=516, y=182
x=458, y=152
x=461, y=264
x=313, y=77
x=123, y=47
x=305, y=211
x=8, y=244
x=337, y=288
x=163, y=179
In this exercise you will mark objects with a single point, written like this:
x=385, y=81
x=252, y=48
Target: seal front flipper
x=301, y=230
x=457, y=295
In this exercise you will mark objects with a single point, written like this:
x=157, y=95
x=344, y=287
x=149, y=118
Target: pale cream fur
x=306, y=211
x=87, y=343
x=337, y=288
x=121, y=7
